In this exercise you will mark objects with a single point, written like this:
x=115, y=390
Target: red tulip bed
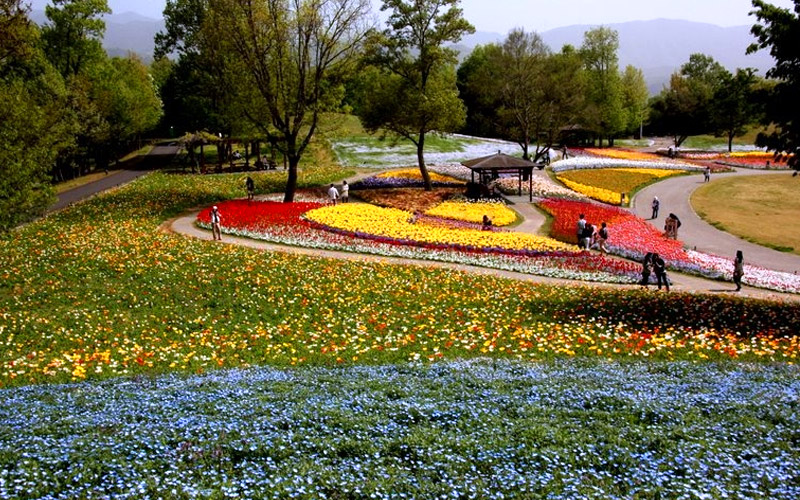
x=631, y=237
x=283, y=223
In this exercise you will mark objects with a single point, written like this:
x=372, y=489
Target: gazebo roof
x=499, y=161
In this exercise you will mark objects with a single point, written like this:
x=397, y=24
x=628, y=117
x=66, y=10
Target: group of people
x=590, y=237
x=334, y=195
x=654, y=264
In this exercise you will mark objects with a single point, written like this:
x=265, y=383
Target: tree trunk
x=426, y=178
x=730, y=142
x=291, y=181
x=246, y=155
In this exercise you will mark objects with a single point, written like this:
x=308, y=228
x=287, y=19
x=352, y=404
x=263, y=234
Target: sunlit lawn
x=763, y=209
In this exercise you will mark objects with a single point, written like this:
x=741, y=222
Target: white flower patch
x=387, y=155
x=753, y=275
x=453, y=170
x=586, y=162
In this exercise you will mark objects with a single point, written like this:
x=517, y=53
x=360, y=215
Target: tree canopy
x=33, y=123
x=285, y=62
x=415, y=90
x=604, y=113
x=778, y=30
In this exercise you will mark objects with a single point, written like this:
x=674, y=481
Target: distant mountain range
x=658, y=47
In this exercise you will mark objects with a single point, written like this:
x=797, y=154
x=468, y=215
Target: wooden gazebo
x=490, y=167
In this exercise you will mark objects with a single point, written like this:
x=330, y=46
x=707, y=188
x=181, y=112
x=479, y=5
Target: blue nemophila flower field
x=470, y=429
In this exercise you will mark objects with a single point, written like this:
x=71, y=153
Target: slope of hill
x=125, y=32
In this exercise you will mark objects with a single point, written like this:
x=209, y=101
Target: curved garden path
x=675, y=193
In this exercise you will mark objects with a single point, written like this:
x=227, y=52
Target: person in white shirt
x=216, y=220
x=333, y=193
x=345, y=191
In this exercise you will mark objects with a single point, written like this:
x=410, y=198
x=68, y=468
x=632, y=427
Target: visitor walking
x=707, y=174
x=251, y=188
x=738, y=269
x=647, y=268
x=655, y=205
x=600, y=238
x=581, y=226
x=345, y=191
x=333, y=194
x=216, y=221
x=660, y=268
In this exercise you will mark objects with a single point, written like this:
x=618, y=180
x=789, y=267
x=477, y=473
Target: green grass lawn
x=761, y=209
x=711, y=142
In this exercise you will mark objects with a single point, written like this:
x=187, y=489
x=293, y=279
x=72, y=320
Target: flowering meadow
x=284, y=224
x=632, y=237
x=409, y=199
x=607, y=184
x=197, y=369
x=97, y=291
x=619, y=154
x=468, y=429
x=405, y=178
x=373, y=222
x=589, y=162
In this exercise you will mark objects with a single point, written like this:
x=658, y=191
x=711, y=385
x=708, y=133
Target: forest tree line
x=268, y=70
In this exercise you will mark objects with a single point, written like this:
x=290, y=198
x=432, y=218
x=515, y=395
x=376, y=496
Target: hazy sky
x=541, y=15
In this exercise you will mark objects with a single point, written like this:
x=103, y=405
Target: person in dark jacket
x=660, y=268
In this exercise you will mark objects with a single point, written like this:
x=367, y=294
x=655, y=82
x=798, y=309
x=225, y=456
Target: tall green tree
x=604, y=112
x=477, y=85
x=418, y=92
x=195, y=92
x=287, y=61
x=522, y=84
x=33, y=124
x=734, y=105
x=686, y=107
x=778, y=31
x=74, y=33
x=635, y=96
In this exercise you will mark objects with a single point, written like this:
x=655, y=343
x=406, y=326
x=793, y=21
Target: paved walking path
x=159, y=156
x=675, y=193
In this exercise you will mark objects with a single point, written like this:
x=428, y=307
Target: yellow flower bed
x=415, y=174
x=595, y=193
x=606, y=184
x=500, y=214
x=622, y=154
x=396, y=224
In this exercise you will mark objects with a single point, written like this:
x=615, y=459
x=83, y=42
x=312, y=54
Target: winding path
x=675, y=193
x=158, y=157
